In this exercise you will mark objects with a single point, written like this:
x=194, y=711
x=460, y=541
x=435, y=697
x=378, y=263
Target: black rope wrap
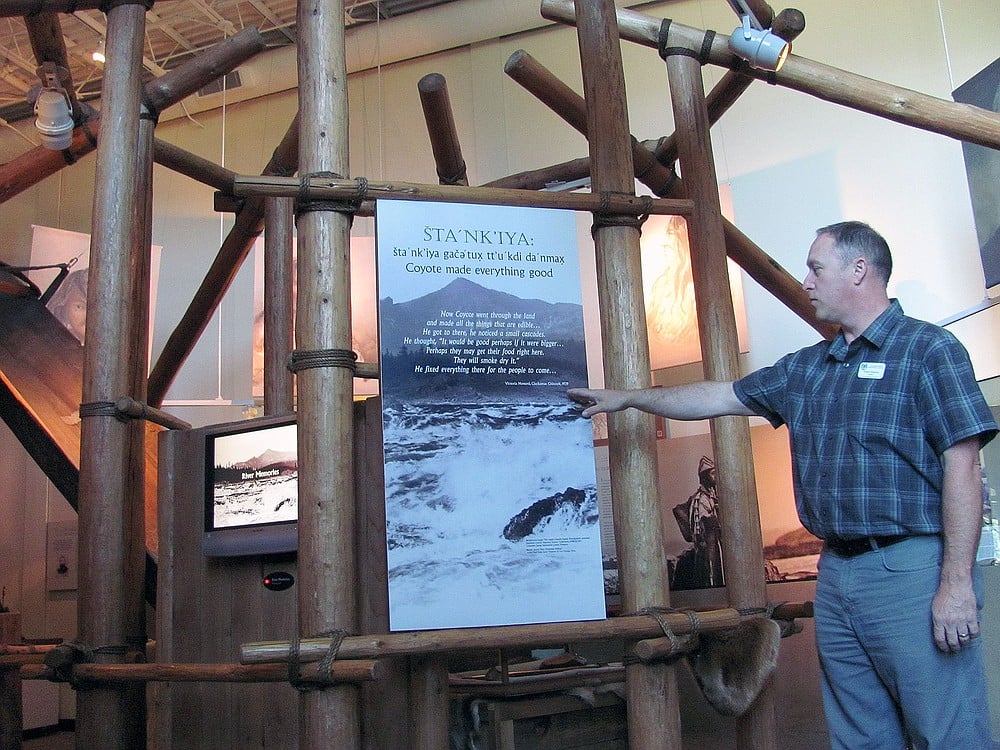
x=456, y=179
x=101, y=409
x=147, y=111
x=324, y=670
x=603, y=217
x=304, y=204
x=307, y=360
x=110, y=4
x=702, y=56
x=67, y=655
x=68, y=157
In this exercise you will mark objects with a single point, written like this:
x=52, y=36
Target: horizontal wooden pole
x=322, y=188
x=961, y=121
x=355, y=670
x=129, y=407
x=650, y=649
x=518, y=685
x=440, y=641
x=193, y=166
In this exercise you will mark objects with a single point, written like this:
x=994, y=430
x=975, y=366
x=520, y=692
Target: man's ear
x=859, y=269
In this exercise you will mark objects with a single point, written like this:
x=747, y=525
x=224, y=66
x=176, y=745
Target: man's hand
x=599, y=401
x=954, y=616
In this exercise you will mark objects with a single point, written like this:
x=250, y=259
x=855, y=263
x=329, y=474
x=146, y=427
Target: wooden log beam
x=633, y=627
x=559, y=97
x=739, y=514
x=279, y=306
x=340, y=671
x=789, y=24
x=445, y=146
x=763, y=269
x=327, y=559
x=762, y=11
x=234, y=250
x=659, y=648
x=963, y=122
x=330, y=188
x=34, y=165
x=522, y=685
x=106, y=604
x=191, y=165
x=130, y=407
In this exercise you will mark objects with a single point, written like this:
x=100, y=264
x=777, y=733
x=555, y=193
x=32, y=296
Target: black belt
x=855, y=547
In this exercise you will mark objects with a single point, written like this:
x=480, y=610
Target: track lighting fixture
x=54, y=119
x=759, y=47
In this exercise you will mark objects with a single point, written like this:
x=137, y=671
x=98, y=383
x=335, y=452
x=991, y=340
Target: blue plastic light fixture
x=759, y=47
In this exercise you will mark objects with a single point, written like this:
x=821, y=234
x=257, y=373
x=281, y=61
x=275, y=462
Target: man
x=886, y=423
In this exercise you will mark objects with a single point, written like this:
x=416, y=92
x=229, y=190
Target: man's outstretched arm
x=703, y=400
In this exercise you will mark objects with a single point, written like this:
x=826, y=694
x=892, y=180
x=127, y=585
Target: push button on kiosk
x=278, y=581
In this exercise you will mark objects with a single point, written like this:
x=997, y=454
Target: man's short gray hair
x=855, y=238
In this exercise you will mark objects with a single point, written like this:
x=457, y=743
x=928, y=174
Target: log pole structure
x=631, y=627
x=739, y=515
x=339, y=671
x=108, y=600
x=36, y=164
x=279, y=307
x=428, y=673
x=571, y=107
x=327, y=563
x=445, y=146
x=234, y=250
x=963, y=122
x=331, y=188
x=559, y=97
x=191, y=165
x=651, y=689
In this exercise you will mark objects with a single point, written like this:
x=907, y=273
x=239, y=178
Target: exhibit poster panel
x=491, y=497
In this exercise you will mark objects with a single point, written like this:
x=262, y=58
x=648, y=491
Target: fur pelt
x=731, y=666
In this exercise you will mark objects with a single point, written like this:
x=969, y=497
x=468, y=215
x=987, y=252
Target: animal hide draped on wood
x=731, y=666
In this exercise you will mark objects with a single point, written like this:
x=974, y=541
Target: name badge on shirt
x=871, y=370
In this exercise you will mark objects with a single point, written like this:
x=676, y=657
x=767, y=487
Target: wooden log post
x=106, y=608
x=279, y=307
x=327, y=591
x=445, y=146
x=248, y=226
x=739, y=516
x=961, y=121
x=653, y=710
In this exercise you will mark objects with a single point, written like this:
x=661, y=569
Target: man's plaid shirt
x=869, y=421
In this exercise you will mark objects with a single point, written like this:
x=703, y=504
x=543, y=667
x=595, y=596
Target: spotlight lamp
x=759, y=47
x=98, y=54
x=54, y=118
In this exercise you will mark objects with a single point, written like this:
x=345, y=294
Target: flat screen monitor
x=251, y=488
